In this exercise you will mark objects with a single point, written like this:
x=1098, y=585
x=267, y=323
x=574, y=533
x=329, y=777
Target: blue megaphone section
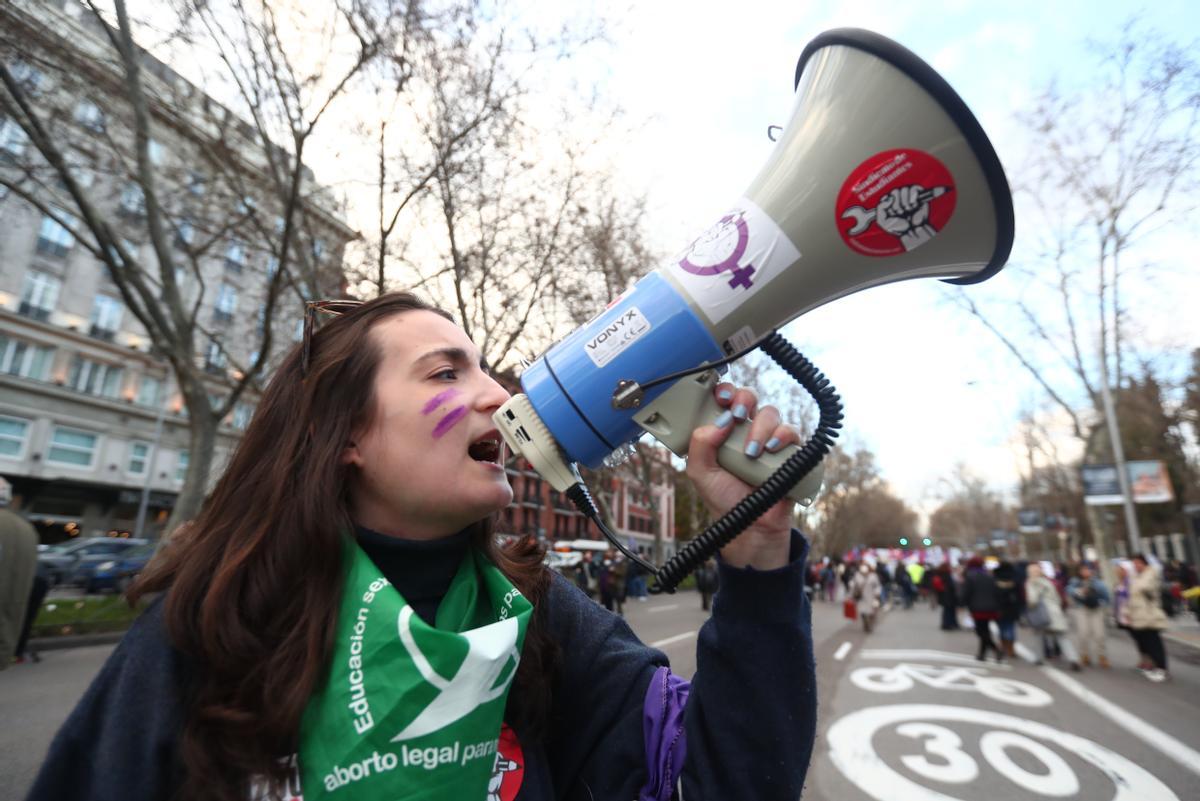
x=647, y=333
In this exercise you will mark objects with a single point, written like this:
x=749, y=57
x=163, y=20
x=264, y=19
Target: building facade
x=93, y=431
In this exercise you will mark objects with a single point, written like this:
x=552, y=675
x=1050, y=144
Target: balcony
x=33, y=312
x=103, y=334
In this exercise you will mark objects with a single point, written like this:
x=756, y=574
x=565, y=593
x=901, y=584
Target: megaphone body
x=882, y=174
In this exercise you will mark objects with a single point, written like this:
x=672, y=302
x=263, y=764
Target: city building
x=634, y=507
x=93, y=433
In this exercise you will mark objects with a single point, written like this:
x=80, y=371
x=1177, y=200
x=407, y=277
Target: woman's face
x=431, y=460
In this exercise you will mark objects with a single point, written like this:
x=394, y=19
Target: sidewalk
x=1183, y=636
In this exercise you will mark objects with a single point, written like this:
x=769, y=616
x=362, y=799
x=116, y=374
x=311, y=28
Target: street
x=906, y=713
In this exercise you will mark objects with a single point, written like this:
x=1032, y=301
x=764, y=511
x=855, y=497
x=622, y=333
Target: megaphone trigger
x=689, y=404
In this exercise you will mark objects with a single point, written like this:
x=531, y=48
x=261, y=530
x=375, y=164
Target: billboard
x=1029, y=521
x=1148, y=481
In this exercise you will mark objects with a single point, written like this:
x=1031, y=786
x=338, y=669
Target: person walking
x=1010, y=597
x=1147, y=618
x=1089, y=604
x=18, y=565
x=942, y=585
x=1045, y=613
x=706, y=583
x=867, y=592
x=980, y=596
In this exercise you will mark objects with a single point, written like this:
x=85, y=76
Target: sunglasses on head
x=333, y=307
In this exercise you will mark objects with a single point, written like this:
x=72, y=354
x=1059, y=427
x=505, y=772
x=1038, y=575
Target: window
x=149, y=391
x=24, y=358
x=26, y=75
x=72, y=446
x=197, y=184
x=214, y=357
x=12, y=141
x=226, y=305
x=39, y=295
x=133, y=202
x=181, y=466
x=318, y=249
x=90, y=116
x=106, y=317
x=54, y=238
x=156, y=151
x=242, y=412
x=272, y=266
x=235, y=256
x=185, y=234
x=13, y=431
x=139, y=456
x=94, y=378
x=80, y=168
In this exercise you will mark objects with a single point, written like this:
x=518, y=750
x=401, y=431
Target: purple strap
x=662, y=728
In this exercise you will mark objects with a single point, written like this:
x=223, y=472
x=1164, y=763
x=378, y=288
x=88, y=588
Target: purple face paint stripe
x=438, y=399
x=447, y=422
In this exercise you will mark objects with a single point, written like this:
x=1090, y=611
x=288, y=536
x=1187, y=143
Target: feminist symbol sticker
x=722, y=248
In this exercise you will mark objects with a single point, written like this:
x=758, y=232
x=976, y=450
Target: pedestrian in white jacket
x=1146, y=616
x=1045, y=614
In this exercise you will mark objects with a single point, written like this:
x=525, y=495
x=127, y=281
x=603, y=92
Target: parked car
x=101, y=573
x=62, y=561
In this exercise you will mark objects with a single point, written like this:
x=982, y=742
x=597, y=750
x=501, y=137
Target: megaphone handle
x=673, y=416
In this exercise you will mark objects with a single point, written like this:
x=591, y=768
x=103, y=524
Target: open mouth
x=486, y=448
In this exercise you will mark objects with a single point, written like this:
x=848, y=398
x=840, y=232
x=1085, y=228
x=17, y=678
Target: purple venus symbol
x=714, y=244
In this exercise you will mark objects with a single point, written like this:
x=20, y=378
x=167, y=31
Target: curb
x=75, y=641
x=1184, y=647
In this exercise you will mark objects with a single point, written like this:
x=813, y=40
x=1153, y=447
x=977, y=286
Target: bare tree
x=237, y=191
x=970, y=512
x=856, y=506
x=1110, y=168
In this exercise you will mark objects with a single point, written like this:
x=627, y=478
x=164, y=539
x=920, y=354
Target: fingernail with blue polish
x=725, y=394
x=773, y=443
x=754, y=449
x=724, y=419
x=739, y=411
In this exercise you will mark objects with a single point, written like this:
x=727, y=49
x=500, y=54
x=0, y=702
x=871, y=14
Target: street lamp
x=904, y=540
x=927, y=542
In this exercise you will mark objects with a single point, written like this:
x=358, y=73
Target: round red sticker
x=509, y=768
x=894, y=202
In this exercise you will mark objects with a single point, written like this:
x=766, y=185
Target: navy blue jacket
x=750, y=719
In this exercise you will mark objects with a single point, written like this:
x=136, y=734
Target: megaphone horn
x=882, y=174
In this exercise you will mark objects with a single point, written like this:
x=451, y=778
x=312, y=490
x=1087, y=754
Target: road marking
x=921, y=655
x=849, y=741
x=670, y=640
x=1136, y=726
x=1026, y=654
x=842, y=650
x=663, y=608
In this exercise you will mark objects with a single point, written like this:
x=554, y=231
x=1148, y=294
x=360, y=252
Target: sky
x=924, y=386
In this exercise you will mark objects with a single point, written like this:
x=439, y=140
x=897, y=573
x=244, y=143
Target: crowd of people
x=1066, y=609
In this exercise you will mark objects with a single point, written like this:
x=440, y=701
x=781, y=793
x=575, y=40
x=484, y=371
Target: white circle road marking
x=850, y=749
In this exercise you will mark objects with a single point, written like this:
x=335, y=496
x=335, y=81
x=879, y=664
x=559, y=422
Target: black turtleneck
x=421, y=570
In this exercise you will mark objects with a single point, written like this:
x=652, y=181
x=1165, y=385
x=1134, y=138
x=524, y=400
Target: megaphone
x=882, y=174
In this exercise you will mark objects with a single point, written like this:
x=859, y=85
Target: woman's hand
x=766, y=543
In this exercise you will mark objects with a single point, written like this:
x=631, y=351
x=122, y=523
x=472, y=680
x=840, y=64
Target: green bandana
x=413, y=711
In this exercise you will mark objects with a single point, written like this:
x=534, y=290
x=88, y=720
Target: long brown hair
x=253, y=584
